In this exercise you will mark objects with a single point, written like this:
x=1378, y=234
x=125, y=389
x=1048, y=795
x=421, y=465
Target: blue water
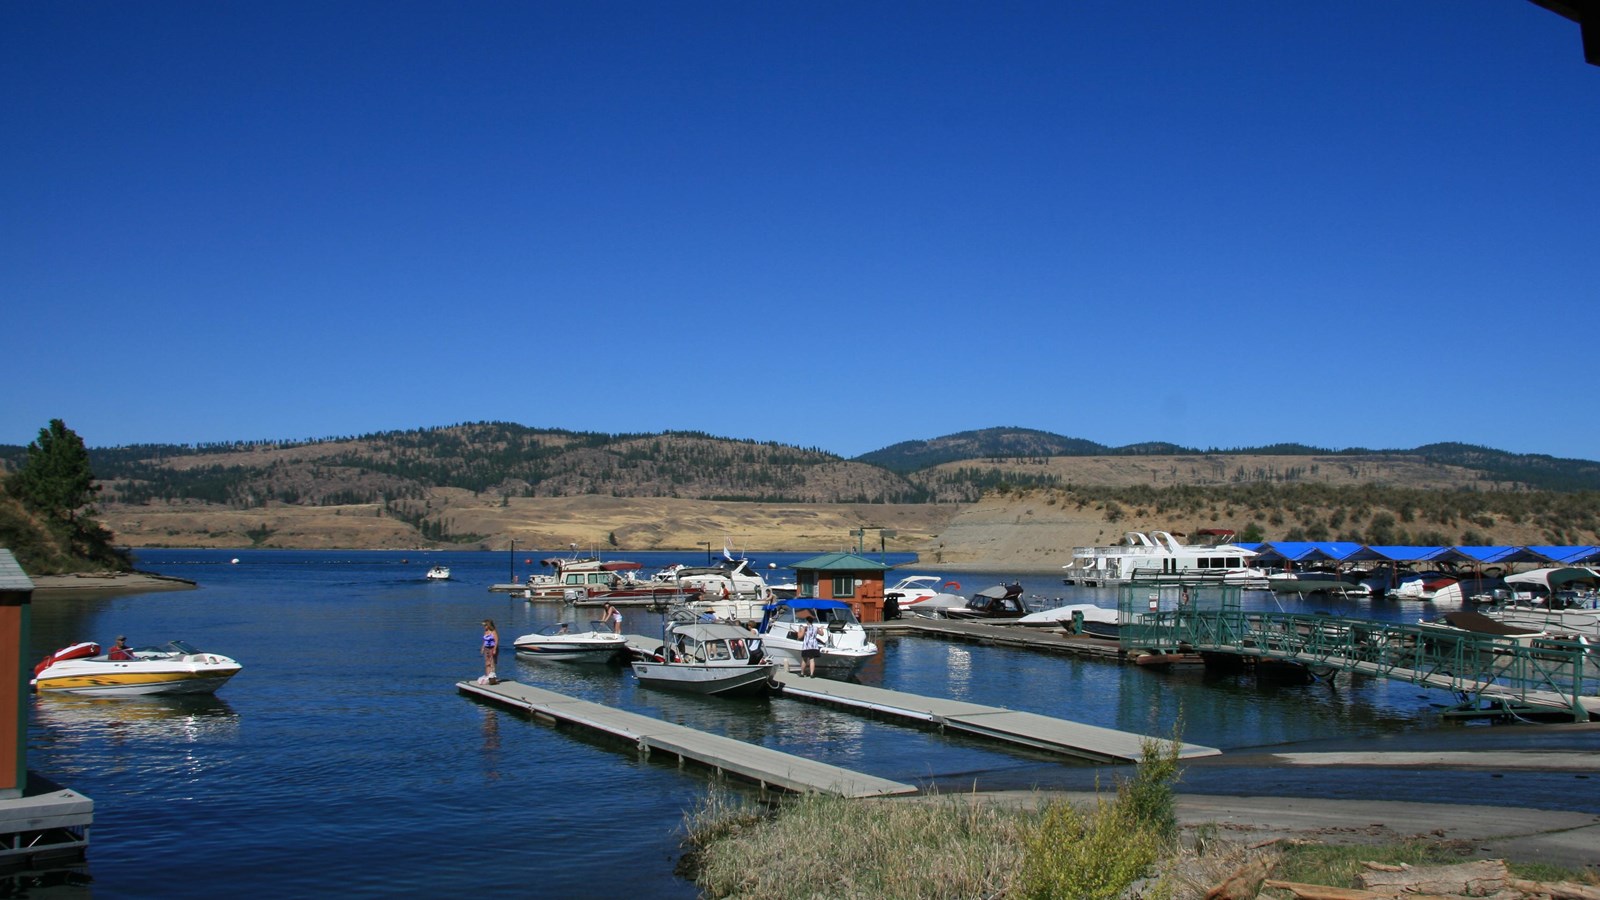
x=343, y=760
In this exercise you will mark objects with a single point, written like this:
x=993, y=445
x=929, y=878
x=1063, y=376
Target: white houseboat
x=1158, y=557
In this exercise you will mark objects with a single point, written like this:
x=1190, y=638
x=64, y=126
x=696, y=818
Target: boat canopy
x=806, y=603
x=1556, y=578
x=712, y=631
x=1346, y=551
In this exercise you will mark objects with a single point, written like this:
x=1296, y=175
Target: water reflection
x=193, y=718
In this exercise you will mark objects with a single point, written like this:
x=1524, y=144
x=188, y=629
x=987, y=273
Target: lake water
x=343, y=761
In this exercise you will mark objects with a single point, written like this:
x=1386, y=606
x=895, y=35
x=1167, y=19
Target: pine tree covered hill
x=1441, y=491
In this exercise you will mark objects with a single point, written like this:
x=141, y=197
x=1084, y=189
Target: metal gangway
x=1490, y=674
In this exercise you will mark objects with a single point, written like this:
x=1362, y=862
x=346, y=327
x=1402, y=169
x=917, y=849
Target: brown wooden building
x=854, y=579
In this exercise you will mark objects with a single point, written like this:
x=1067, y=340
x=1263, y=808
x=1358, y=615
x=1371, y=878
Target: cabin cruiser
x=1158, y=556
x=439, y=573
x=707, y=658
x=573, y=579
x=1003, y=601
x=731, y=590
x=921, y=595
x=566, y=642
x=844, y=648
x=172, y=668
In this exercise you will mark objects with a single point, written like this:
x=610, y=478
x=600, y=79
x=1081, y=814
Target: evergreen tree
x=55, y=478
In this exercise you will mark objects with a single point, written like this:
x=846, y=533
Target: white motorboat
x=439, y=573
x=174, y=668
x=731, y=590
x=566, y=642
x=1081, y=618
x=844, y=650
x=707, y=658
x=1159, y=556
x=921, y=595
x=1315, y=581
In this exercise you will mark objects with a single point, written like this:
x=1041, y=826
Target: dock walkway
x=1011, y=635
x=767, y=767
x=1029, y=729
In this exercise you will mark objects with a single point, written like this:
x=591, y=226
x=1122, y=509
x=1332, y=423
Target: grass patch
x=939, y=846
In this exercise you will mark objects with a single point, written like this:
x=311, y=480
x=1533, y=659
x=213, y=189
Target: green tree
x=55, y=478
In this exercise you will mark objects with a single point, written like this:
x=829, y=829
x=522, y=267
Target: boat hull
x=694, y=678
x=832, y=663
x=128, y=682
x=597, y=654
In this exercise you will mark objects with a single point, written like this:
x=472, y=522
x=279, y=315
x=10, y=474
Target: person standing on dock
x=810, y=648
x=491, y=652
x=613, y=617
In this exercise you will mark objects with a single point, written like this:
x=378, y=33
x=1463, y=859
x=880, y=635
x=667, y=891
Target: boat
x=1478, y=624
x=439, y=573
x=730, y=589
x=573, y=579
x=844, y=650
x=921, y=595
x=1315, y=581
x=1423, y=586
x=1003, y=601
x=1160, y=557
x=707, y=658
x=173, y=668
x=564, y=641
x=1077, y=618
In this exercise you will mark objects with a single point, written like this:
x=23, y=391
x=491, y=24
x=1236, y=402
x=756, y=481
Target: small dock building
x=849, y=577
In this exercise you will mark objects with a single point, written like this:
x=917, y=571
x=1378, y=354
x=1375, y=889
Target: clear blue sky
x=831, y=224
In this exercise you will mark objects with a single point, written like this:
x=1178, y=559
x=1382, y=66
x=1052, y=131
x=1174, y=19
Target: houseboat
x=1160, y=557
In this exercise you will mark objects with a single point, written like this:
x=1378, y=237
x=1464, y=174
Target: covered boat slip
x=767, y=767
x=1029, y=729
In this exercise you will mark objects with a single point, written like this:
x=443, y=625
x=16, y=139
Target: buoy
x=234, y=561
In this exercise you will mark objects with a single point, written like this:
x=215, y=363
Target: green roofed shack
x=854, y=579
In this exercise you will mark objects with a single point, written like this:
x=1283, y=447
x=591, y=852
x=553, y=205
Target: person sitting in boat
x=119, y=650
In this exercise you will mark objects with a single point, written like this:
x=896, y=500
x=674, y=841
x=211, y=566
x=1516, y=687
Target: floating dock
x=1090, y=742
x=48, y=824
x=1020, y=636
x=767, y=767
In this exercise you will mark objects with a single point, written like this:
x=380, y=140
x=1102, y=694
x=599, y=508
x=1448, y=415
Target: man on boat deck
x=120, y=650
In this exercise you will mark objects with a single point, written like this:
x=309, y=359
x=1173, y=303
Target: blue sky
x=831, y=224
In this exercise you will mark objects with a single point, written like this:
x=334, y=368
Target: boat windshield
x=180, y=647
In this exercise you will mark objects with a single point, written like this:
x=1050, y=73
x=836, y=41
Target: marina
x=344, y=738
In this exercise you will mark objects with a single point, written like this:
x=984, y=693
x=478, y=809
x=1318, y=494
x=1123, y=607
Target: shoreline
x=99, y=582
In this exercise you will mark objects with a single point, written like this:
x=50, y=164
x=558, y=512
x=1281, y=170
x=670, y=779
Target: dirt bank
x=96, y=582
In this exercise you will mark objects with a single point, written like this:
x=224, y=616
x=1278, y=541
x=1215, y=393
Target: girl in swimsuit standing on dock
x=491, y=650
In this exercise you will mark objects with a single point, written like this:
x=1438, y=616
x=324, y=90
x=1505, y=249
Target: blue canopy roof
x=1308, y=551
x=807, y=603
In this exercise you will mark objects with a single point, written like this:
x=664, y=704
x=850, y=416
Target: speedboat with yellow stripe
x=175, y=668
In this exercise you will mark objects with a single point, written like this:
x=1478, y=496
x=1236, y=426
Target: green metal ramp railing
x=1489, y=673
